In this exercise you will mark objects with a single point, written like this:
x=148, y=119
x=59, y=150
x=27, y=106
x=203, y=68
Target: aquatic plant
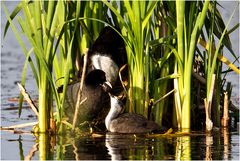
x=162, y=41
x=163, y=32
x=52, y=29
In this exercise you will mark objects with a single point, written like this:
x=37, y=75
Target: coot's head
x=98, y=77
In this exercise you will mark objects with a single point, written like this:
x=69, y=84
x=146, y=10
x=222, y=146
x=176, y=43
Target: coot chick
x=119, y=122
x=95, y=89
x=108, y=53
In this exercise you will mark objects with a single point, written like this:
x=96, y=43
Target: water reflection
x=139, y=147
x=81, y=148
x=46, y=146
x=31, y=153
x=218, y=145
x=113, y=150
x=183, y=148
x=209, y=142
x=127, y=146
x=225, y=143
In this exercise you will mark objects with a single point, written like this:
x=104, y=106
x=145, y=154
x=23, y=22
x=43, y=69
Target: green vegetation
x=162, y=39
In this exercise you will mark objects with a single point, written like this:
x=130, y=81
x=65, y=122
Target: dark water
x=219, y=145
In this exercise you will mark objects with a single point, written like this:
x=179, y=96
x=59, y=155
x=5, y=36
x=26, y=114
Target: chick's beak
x=107, y=86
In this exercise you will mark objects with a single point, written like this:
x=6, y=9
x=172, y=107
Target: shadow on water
x=217, y=145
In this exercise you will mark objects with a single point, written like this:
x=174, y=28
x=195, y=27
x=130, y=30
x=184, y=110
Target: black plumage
x=94, y=90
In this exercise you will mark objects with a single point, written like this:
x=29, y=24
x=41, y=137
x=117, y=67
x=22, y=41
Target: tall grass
x=43, y=52
x=135, y=16
x=161, y=39
x=185, y=50
x=55, y=40
x=186, y=20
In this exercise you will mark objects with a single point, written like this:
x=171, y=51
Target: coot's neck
x=115, y=110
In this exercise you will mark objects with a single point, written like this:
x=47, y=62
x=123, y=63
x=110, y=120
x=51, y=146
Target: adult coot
x=95, y=90
x=108, y=53
x=119, y=122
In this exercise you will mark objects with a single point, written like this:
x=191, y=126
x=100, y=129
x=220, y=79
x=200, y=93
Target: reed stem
x=79, y=95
